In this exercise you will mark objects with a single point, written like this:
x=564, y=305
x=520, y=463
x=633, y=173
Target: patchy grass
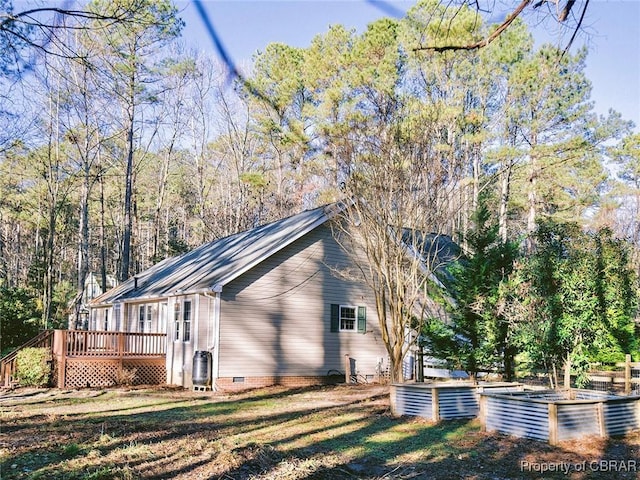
x=317, y=433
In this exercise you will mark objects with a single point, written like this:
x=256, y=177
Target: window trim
x=145, y=314
x=342, y=318
x=186, y=323
x=183, y=320
x=177, y=313
x=117, y=316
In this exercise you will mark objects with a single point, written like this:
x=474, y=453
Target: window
x=348, y=318
x=176, y=320
x=182, y=321
x=162, y=318
x=106, y=320
x=144, y=318
x=116, y=315
x=186, y=316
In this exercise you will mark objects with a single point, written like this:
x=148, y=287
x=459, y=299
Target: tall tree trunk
x=4, y=271
x=157, y=214
x=103, y=239
x=505, y=188
x=532, y=195
x=125, y=266
x=47, y=290
x=52, y=197
x=83, y=243
x=567, y=372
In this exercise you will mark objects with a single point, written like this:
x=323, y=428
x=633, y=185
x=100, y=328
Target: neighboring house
x=268, y=303
x=79, y=317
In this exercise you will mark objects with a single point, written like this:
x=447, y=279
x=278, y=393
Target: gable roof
x=212, y=265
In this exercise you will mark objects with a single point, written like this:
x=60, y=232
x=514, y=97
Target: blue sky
x=612, y=33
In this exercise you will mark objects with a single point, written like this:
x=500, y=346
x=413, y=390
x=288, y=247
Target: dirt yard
x=340, y=432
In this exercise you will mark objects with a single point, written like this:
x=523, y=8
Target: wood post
x=553, y=424
x=347, y=369
x=60, y=345
x=393, y=401
x=601, y=423
x=627, y=374
x=435, y=405
x=482, y=415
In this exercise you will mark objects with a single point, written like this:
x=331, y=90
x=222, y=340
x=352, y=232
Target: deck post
x=60, y=341
x=121, y=344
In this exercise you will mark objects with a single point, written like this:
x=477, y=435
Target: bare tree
x=394, y=241
x=46, y=29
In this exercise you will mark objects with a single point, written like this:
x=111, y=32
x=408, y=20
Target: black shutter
x=362, y=319
x=335, y=317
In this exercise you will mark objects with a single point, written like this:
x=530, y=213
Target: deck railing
x=92, y=346
x=82, y=343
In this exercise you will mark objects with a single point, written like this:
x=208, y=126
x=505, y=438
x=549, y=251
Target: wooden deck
x=99, y=358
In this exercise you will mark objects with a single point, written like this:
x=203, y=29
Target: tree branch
x=563, y=16
x=483, y=43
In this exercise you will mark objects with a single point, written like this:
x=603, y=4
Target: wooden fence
x=616, y=378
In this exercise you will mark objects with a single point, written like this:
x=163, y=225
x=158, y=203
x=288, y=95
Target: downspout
x=214, y=346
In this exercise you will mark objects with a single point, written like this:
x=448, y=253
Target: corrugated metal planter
x=443, y=400
x=554, y=416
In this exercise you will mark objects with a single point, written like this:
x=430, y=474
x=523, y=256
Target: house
x=78, y=318
x=266, y=303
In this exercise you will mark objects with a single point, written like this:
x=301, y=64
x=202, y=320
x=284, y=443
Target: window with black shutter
x=348, y=318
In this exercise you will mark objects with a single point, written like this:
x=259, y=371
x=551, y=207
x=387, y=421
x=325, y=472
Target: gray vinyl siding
x=275, y=319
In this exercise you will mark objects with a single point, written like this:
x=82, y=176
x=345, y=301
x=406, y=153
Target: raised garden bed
x=443, y=400
x=555, y=416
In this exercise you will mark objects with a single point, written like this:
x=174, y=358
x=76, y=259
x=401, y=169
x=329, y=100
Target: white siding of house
x=275, y=319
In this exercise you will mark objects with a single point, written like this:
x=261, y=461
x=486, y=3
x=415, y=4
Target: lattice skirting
x=108, y=372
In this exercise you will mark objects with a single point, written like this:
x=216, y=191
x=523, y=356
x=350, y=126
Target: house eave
x=217, y=288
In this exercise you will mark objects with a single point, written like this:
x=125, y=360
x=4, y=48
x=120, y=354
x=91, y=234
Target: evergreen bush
x=33, y=367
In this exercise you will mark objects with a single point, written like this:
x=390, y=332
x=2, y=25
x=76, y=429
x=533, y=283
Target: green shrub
x=33, y=367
